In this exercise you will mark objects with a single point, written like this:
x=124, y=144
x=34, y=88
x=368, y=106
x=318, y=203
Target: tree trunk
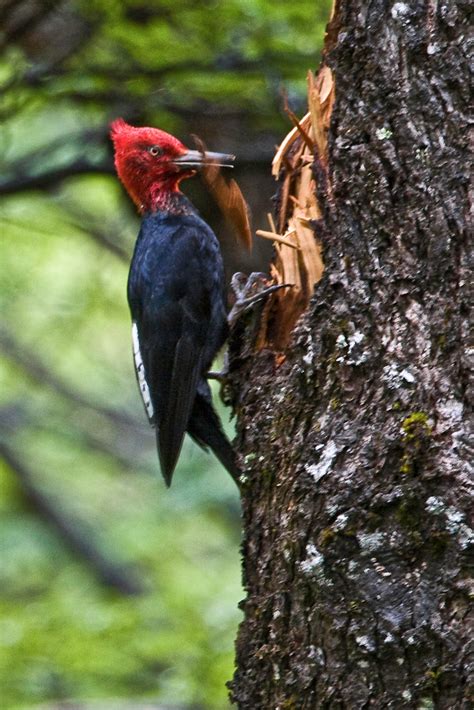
x=354, y=443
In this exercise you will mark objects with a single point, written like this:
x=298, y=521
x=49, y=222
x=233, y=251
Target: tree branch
x=15, y=416
x=73, y=533
x=34, y=366
x=50, y=178
x=26, y=22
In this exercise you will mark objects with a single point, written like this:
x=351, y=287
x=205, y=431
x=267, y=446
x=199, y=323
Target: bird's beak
x=197, y=159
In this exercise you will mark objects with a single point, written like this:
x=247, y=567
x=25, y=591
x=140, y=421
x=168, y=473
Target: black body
x=177, y=301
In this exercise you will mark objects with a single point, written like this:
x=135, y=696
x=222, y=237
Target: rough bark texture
x=356, y=451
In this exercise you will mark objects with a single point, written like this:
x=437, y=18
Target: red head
x=151, y=163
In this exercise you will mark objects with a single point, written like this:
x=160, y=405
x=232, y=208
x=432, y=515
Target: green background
x=147, y=608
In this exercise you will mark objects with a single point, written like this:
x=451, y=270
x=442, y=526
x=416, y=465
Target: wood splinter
x=278, y=238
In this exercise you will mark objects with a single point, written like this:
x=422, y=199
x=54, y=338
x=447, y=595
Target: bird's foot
x=250, y=291
x=221, y=375
x=223, y=378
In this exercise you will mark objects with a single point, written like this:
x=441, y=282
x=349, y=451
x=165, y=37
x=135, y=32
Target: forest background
x=112, y=586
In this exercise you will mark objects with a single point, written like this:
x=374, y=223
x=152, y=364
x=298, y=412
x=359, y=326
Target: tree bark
x=355, y=444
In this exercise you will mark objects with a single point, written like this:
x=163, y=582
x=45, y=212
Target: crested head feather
x=118, y=126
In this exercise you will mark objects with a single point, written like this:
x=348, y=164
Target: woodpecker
x=175, y=292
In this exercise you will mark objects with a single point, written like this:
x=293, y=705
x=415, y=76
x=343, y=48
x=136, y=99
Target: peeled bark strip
x=355, y=446
x=298, y=258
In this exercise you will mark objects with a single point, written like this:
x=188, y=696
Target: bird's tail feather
x=206, y=430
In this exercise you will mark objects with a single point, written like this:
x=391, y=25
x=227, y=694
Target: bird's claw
x=249, y=291
x=219, y=376
x=223, y=378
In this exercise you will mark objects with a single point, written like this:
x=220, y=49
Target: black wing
x=171, y=288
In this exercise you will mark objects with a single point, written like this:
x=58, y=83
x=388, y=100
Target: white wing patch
x=140, y=370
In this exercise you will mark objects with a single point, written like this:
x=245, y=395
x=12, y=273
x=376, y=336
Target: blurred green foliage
x=72, y=429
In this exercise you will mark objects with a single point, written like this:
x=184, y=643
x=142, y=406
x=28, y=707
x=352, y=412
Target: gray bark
x=356, y=500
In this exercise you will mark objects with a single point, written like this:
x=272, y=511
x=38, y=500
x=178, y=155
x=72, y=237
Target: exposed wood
x=304, y=148
x=277, y=238
x=229, y=199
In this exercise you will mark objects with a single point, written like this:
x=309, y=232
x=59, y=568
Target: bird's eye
x=155, y=150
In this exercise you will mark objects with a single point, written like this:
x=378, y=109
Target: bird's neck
x=170, y=200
